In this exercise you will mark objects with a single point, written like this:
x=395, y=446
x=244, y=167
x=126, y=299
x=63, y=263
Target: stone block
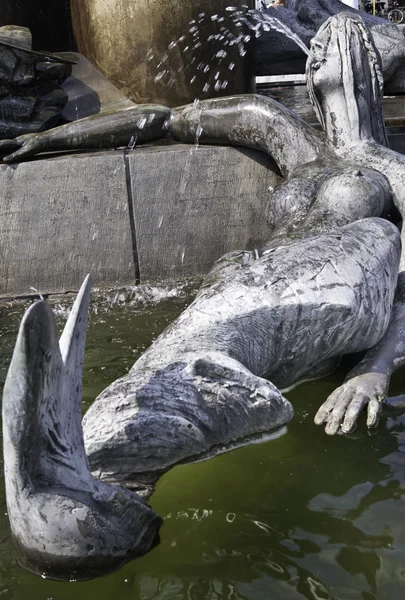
x=396, y=140
x=158, y=213
x=61, y=218
x=191, y=206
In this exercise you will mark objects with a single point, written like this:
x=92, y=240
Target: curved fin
x=43, y=437
x=72, y=343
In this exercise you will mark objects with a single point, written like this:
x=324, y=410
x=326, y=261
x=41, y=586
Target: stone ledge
x=156, y=214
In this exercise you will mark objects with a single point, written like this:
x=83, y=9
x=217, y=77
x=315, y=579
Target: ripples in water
x=303, y=517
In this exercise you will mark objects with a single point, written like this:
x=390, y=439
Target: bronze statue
x=323, y=286
x=31, y=96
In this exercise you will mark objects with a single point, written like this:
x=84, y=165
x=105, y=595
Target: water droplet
x=160, y=76
x=132, y=143
x=141, y=123
x=163, y=60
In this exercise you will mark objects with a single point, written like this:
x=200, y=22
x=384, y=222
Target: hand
x=21, y=147
x=342, y=408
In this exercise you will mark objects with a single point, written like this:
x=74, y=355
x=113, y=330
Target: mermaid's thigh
x=332, y=294
x=356, y=285
x=227, y=266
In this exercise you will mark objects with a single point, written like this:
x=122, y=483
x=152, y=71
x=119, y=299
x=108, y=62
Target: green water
x=304, y=516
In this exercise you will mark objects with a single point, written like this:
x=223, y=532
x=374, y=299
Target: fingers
x=336, y=416
x=341, y=410
x=353, y=410
x=326, y=408
x=332, y=412
x=9, y=145
x=373, y=412
x=27, y=148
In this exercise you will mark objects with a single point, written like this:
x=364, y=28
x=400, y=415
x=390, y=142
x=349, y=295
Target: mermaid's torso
x=324, y=195
x=299, y=303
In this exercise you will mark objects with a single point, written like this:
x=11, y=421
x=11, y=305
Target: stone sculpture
x=276, y=54
x=78, y=527
x=31, y=97
x=322, y=287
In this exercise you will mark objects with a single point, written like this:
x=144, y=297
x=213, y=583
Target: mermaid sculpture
x=323, y=286
x=277, y=54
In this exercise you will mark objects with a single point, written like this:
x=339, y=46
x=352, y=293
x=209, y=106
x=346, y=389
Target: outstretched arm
x=367, y=384
x=140, y=124
x=252, y=121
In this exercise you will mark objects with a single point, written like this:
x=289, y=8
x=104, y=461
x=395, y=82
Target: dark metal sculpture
x=31, y=96
x=323, y=286
x=48, y=20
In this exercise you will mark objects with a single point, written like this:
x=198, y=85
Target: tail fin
x=42, y=397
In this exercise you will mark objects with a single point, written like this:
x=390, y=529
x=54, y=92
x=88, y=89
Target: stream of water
x=236, y=27
x=303, y=516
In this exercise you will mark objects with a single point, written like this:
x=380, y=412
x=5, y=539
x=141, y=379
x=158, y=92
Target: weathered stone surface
x=65, y=216
x=193, y=205
x=62, y=218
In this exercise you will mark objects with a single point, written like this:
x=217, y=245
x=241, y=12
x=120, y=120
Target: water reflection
x=301, y=517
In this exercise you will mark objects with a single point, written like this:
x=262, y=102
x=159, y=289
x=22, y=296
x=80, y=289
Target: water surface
x=304, y=516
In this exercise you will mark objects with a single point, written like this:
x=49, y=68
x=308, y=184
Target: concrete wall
x=154, y=214
x=396, y=139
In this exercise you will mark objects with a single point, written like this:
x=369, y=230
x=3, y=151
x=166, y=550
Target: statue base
x=158, y=213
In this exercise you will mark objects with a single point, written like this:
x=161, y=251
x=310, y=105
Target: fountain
x=320, y=285
x=324, y=285
x=164, y=209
